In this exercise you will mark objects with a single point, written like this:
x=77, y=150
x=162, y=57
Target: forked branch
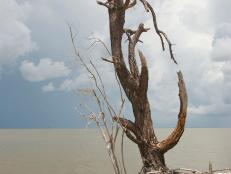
x=133, y=37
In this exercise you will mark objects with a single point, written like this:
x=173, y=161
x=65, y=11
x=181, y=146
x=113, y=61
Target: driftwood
x=191, y=171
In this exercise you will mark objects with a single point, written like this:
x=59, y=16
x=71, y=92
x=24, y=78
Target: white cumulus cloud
x=74, y=84
x=221, y=49
x=15, y=38
x=48, y=88
x=44, y=70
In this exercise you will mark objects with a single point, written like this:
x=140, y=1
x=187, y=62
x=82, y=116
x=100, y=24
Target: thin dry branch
x=110, y=108
x=102, y=91
x=98, y=40
x=119, y=123
x=160, y=33
x=169, y=46
x=122, y=152
x=121, y=107
x=107, y=60
x=105, y=132
x=145, y=3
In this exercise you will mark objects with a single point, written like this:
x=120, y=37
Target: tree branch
x=107, y=4
x=106, y=60
x=131, y=48
x=143, y=84
x=129, y=128
x=132, y=138
x=160, y=33
x=129, y=31
x=129, y=5
x=169, y=46
x=126, y=124
x=122, y=153
x=126, y=4
x=139, y=31
x=98, y=40
x=145, y=3
x=175, y=136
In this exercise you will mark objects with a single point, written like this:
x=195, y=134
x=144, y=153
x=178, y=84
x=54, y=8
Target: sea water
x=82, y=151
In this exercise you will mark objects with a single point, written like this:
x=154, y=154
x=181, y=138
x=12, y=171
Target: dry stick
x=102, y=115
x=98, y=40
x=85, y=65
x=98, y=100
x=105, y=46
x=122, y=152
x=106, y=60
x=191, y=170
x=117, y=127
x=106, y=136
x=112, y=156
x=117, y=130
x=105, y=96
x=112, y=153
x=101, y=82
x=102, y=92
x=110, y=141
x=169, y=46
x=120, y=88
x=109, y=105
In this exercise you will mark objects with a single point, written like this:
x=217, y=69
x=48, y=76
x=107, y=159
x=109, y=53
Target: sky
x=40, y=76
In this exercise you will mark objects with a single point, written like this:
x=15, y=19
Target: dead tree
x=135, y=86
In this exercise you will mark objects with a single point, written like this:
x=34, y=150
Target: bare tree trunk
x=135, y=86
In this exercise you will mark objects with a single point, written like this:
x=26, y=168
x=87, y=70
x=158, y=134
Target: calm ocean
x=74, y=151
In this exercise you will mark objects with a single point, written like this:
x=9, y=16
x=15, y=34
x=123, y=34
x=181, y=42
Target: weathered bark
x=135, y=85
